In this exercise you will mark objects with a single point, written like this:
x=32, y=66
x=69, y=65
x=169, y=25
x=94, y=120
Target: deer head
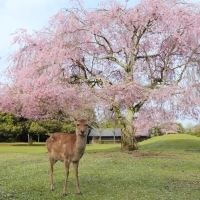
x=82, y=127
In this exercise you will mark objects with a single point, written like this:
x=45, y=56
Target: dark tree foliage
x=11, y=127
x=18, y=129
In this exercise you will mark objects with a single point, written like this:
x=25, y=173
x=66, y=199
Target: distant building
x=109, y=135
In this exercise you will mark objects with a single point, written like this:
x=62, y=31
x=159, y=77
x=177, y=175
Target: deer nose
x=82, y=132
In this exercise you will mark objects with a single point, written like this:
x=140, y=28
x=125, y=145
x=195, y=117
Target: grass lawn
x=165, y=167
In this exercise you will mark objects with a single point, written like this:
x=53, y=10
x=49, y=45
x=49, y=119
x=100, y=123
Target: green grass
x=165, y=167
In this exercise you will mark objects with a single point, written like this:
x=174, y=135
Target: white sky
x=32, y=15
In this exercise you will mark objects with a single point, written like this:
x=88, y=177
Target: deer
x=68, y=148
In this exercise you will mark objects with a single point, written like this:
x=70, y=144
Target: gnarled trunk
x=128, y=132
x=128, y=141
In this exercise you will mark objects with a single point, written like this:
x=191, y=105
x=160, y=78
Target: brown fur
x=68, y=148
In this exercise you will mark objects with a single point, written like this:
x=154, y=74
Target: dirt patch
x=135, y=154
x=138, y=154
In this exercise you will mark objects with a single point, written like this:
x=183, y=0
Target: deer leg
x=52, y=162
x=75, y=165
x=67, y=164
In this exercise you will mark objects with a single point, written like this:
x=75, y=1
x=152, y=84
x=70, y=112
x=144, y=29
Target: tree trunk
x=128, y=133
x=30, y=139
x=128, y=141
x=127, y=129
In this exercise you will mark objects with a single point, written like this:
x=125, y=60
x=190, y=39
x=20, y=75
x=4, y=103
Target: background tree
x=180, y=129
x=18, y=129
x=35, y=129
x=51, y=126
x=189, y=127
x=140, y=63
x=109, y=124
x=68, y=126
x=10, y=127
x=194, y=130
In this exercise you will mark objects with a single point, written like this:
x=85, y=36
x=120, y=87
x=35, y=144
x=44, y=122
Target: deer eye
x=78, y=124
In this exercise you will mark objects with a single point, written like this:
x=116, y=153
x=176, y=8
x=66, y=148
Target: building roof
x=106, y=132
